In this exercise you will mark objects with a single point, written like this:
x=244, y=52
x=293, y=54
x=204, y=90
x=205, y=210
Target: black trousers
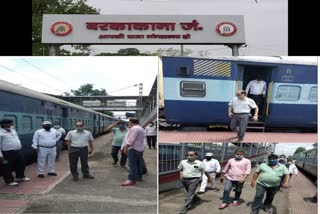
x=74, y=155
x=258, y=99
x=15, y=163
x=151, y=140
x=114, y=154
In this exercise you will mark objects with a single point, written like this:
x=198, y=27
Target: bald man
x=239, y=112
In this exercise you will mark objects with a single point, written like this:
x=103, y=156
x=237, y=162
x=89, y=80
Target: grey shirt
x=79, y=139
x=191, y=169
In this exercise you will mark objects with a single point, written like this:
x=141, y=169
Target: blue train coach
x=28, y=109
x=196, y=91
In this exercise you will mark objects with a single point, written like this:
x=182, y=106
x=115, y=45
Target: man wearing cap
x=44, y=142
x=11, y=157
x=239, y=112
x=213, y=167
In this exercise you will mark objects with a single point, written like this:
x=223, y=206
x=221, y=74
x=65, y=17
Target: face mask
x=12, y=127
x=80, y=129
x=238, y=157
x=47, y=128
x=273, y=162
x=122, y=127
x=208, y=158
x=56, y=126
x=289, y=162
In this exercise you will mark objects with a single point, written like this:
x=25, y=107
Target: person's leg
x=271, y=192
x=213, y=180
x=8, y=167
x=123, y=160
x=20, y=167
x=74, y=155
x=132, y=158
x=84, y=161
x=51, y=159
x=239, y=187
x=233, y=123
x=260, y=190
x=114, y=154
x=149, y=139
x=192, y=186
x=203, y=183
x=142, y=170
x=59, y=148
x=243, y=123
x=226, y=192
x=154, y=141
x=42, y=156
x=142, y=165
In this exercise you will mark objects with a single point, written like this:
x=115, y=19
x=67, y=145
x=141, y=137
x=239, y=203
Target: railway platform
x=103, y=194
x=229, y=137
x=293, y=200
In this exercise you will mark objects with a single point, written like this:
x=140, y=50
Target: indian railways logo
x=61, y=28
x=226, y=28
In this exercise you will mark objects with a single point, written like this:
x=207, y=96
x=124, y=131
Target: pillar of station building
x=235, y=49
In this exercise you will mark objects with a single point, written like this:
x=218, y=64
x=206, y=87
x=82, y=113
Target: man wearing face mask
x=118, y=137
x=78, y=141
x=191, y=171
x=237, y=170
x=44, y=142
x=151, y=134
x=60, y=141
x=239, y=112
x=11, y=157
x=213, y=167
x=267, y=177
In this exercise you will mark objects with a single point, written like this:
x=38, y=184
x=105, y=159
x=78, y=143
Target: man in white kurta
x=44, y=142
x=213, y=167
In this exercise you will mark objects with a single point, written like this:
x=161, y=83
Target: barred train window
x=192, y=89
x=26, y=123
x=13, y=118
x=313, y=96
x=288, y=93
x=39, y=121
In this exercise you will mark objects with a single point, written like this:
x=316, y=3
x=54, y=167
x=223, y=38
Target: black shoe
x=75, y=178
x=88, y=177
x=52, y=174
x=183, y=210
x=41, y=176
x=114, y=163
x=240, y=139
x=200, y=192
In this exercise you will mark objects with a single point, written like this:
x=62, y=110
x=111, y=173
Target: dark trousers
x=151, y=140
x=190, y=185
x=258, y=99
x=135, y=165
x=260, y=190
x=114, y=154
x=15, y=163
x=74, y=155
x=241, y=121
x=143, y=166
x=227, y=189
x=59, y=148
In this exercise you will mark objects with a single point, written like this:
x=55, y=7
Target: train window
x=184, y=71
x=192, y=89
x=13, y=118
x=313, y=96
x=39, y=121
x=288, y=93
x=26, y=123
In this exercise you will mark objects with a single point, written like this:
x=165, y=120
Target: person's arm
x=264, y=89
x=68, y=140
x=254, y=179
x=90, y=144
x=286, y=181
x=230, y=111
x=132, y=136
x=225, y=170
x=247, y=172
x=248, y=87
x=58, y=135
x=109, y=128
x=35, y=140
x=180, y=167
x=208, y=176
x=1, y=155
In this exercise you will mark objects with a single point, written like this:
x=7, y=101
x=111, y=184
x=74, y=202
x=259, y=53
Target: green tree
x=40, y=7
x=87, y=90
x=173, y=52
x=125, y=52
x=299, y=149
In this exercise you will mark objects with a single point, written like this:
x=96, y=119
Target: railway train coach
x=307, y=161
x=196, y=91
x=28, y=109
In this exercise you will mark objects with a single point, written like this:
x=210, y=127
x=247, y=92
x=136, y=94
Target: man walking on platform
x=213, y=167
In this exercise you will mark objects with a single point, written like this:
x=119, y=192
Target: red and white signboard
x=142, y=29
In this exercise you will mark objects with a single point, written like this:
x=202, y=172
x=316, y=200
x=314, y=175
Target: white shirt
x=242, y=106
x=212, y=165
x=191, y=170
x=256, y=87
x=9, y=140
x=293, y=169
x=151, y=131
x=79, y=139
x=62, y=130
x=45, y=138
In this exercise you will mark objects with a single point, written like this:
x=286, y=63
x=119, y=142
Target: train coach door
x=239, y=78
